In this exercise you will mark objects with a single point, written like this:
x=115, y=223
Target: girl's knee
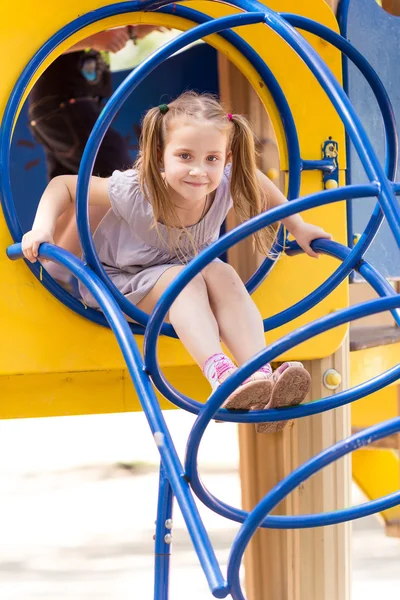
x=197, y=285
x=220, y=272
x=194, y=291
x=219, y=269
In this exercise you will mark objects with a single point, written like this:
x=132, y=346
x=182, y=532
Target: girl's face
x=194, y=159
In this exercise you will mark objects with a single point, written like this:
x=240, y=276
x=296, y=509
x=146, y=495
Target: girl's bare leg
x=66, y=234
x=239, y=321
x=197, y=326
x=190, y=315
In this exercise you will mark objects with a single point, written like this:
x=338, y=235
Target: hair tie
x=164, y=108
x=230, y=117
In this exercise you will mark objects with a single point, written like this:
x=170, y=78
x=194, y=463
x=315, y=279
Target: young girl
x=195, y=162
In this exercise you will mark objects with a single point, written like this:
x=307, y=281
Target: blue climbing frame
x=178, y=481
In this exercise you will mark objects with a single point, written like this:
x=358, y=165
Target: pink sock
x=215, y=367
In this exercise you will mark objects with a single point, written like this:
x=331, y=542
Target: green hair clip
x=164, y=108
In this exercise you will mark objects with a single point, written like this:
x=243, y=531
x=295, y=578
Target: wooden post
x=393, y=527
x=333, y=4
x=392, y=6
x=310, y=564
x=325, y=552
x=290, y=565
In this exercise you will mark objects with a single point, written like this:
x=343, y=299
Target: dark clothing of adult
x=64, y=105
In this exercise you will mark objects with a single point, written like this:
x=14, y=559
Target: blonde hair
x=248, y=197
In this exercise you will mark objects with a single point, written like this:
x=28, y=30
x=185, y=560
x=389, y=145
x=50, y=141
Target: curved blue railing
x=174, y=477
x=292, y=145
x=6, y=134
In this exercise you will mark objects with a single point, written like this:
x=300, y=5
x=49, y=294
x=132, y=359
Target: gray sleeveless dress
x=130, y=248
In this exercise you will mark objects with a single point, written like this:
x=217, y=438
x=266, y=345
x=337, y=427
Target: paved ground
x=75, y=526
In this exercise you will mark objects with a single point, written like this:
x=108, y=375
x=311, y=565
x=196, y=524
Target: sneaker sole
x=291, y=389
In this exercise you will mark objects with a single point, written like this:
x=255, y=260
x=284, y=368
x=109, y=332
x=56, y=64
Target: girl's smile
x=194, y=159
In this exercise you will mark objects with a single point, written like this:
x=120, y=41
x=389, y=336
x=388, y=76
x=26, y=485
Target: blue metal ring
x=391, y=158
x=287, y=485
x=206, y=256
x=150, y=405
x=289, y=126
x=28, y=73
x=348, y=115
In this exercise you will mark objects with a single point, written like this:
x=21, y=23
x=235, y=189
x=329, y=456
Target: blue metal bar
x=370, y=274
x=272, y=415
x=20, y=88
x=342, y=20
x=287, y=485
x=379, y=91
x=91, y=281
x=292, y=142
x=288, y=121
x=378, y=283
x=207, y=255
x=349, y=117
x=305, y=521
x=162, y=548
x=377, y=87
x=150, y=406
x=324, y=165
x=101, y=126
x=384, y=103
x=286, y=343
x=391, y=164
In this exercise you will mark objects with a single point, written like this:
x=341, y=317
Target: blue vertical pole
x=163, y=537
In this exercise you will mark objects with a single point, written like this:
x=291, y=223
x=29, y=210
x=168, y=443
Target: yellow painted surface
x=375, y=408
x=375, y=470
x=41, y=336
x=377, y=473
x=90, y=392
x=368, y=363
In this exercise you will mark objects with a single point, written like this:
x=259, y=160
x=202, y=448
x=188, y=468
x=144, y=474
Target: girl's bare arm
x=56, y=199
x=303, y=232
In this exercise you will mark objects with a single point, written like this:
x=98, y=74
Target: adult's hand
x=112, y=40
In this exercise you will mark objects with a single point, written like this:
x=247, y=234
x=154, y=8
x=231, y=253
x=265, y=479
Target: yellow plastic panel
x=91, y=392
x=41, y=336
x=371, y=362
x=377, y=472
x=375, y=408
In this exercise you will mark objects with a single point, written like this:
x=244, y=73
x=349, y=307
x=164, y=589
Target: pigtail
x=249, y=199
x=148, y=164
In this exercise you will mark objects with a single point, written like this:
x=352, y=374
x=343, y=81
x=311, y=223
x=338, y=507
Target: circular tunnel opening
x=194, y=68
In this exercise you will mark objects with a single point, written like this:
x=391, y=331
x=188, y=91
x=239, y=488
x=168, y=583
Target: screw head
x=168, y=538
x=168, y=524
x=331, y=184
x=332, y=379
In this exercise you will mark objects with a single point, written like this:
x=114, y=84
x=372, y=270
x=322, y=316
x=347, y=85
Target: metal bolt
x=168, y=524
x=331, y=184
x=168, y=538
x=332, y=379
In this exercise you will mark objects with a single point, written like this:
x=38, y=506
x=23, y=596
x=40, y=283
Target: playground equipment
x=41, y=375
